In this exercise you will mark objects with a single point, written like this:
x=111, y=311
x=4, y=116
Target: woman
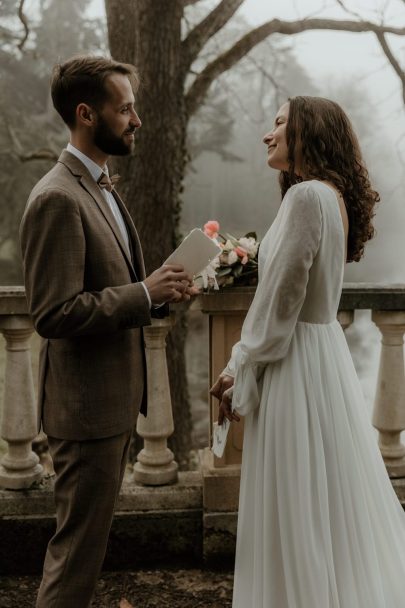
x=319, y=523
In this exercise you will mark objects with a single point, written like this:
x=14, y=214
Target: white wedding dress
x=320, y=525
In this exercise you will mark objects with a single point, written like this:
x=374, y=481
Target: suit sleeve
x=53, y=250
x=270, y=322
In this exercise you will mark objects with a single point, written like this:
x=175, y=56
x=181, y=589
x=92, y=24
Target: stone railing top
x=374, y=296
x=12, y=300
x=371, y=296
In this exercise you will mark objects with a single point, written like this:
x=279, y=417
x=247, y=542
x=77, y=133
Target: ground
x=142, y=589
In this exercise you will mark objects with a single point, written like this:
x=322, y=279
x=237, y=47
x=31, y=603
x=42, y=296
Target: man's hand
x=190, y=291
x=169, y=283
x=221, y=391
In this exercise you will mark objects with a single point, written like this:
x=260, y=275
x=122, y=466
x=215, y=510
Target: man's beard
x=108, y=142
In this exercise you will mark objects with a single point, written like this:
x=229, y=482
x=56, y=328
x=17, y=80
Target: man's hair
x=81, y=80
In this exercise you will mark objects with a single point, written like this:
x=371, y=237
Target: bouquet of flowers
x=236, y=264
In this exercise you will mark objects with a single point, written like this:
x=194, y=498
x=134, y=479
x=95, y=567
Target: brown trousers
x=88, y=479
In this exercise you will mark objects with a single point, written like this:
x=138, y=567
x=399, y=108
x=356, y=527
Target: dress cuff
x=228, y=371
x=247, y=392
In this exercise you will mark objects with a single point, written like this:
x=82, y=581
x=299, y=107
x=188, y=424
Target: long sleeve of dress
x=283, y=276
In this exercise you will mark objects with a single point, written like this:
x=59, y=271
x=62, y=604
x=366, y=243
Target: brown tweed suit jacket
x=85, y=301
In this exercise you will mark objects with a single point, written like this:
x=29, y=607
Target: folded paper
x=195, y=252
x=219, y=435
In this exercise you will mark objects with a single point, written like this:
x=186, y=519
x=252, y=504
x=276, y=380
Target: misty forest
x=212, y=82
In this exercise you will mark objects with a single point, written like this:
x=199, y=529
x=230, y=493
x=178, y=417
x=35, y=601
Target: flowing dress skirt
x=320, y=525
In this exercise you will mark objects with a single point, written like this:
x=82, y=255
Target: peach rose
x=242, y=253
x=211, y=229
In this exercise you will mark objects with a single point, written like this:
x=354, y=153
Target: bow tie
x=108, y=182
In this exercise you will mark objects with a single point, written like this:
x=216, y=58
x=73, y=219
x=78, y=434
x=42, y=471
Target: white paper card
x=219, y=435
x=195, y=252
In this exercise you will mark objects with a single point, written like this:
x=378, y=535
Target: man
x=89, y=298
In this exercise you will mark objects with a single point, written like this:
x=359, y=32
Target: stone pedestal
x=345, y=318
x=221, y=484
x=226, y=310
x=221, y=476
x=389, y=405
x=20, y=467
x=156, y=465
x=220, y=508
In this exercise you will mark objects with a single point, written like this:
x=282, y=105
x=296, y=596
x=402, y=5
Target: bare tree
x=23, y=19
x=149, y=34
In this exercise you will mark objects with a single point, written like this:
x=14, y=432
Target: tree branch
x=24, y=21
x=207, y=28
x=347, y=10
x=227, y=60
x=42, y=154
x=393, y=61
x=279, y=89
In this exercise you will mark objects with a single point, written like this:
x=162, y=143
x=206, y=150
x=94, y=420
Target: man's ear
x=85, y=114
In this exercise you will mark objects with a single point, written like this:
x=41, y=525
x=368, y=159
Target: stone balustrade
x=226, y=310
x=156, y=465
x=387, y=305
x=200, y=506
x=19, y=467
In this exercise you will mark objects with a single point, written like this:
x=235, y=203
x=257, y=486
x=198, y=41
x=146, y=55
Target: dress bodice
x=325, y=275
x=301, y=263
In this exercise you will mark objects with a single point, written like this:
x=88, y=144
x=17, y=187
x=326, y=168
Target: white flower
x=232, y=257
x=215, y=262
x=249, y=245
x=208, y=275
x=228, y=246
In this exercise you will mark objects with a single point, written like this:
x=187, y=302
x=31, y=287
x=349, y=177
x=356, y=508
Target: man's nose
x=135, y=120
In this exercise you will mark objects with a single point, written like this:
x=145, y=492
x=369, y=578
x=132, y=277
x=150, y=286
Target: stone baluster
x=156, y=465
x=389, y=405
x=20, y=467
x=345, y=318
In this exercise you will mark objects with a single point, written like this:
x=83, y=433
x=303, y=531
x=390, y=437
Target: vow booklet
x=195, y=252
x=219, y=435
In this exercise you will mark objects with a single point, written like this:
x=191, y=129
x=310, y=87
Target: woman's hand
x=222, y=390
x=222, y=384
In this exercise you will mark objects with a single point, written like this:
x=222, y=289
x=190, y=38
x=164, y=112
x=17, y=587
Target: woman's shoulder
x=311, y=188
x=308, y=193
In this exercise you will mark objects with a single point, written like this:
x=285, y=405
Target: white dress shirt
x=95, y=171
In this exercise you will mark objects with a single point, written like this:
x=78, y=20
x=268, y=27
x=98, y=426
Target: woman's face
x=276, y=141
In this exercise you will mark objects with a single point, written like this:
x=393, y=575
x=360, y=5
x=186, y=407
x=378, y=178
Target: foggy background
x=228, y=178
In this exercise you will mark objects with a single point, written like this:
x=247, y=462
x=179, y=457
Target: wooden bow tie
x=108, y=182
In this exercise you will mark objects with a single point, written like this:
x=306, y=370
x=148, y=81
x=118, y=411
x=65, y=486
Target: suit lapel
x=90, y=185
x=87, y=182
x=133, y=237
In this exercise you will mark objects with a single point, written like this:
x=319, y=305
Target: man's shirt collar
x=93, y=168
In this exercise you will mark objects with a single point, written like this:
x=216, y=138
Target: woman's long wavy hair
x=328, y=149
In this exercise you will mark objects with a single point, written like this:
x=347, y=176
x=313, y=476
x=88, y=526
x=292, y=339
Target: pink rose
x=242, y=253
x=211, y=229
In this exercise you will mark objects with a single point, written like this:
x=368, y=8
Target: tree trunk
x=148, y=34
